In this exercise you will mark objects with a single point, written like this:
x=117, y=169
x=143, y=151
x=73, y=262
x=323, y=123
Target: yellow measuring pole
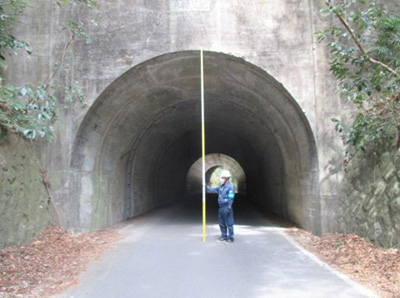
x=203, y=145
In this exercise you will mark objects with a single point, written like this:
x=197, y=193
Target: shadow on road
x=245, y=212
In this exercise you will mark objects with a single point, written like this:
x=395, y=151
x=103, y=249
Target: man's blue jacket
x=226, y=193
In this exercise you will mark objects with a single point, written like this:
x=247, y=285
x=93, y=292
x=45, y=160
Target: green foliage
x=364, y=43
x=8, y=42
x=31, y=110
x=89, y=3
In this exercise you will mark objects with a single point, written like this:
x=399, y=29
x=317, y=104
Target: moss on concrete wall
x=370, y=206
x=25, y=207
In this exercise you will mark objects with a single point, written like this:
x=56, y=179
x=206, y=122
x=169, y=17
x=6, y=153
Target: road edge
x=362, y=289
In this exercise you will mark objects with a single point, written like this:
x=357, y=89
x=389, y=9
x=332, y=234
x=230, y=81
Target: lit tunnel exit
x=214, y=163
x=137, y=143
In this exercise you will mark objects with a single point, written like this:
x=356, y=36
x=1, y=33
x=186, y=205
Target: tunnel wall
x=87, y=158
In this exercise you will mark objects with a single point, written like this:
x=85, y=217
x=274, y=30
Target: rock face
x=25, y=209
x=370, y=206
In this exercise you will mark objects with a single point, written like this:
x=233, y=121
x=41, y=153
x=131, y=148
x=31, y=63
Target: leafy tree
x=31, y=110
x=364, y=43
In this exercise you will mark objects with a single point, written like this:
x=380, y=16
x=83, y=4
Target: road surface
x=162, y=255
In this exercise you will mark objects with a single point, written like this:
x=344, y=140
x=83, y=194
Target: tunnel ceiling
x=145, y=129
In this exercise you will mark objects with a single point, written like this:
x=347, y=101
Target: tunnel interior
x=140, y=143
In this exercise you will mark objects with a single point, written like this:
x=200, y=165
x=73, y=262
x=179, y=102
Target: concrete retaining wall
x=370, y=206
x=25, y=207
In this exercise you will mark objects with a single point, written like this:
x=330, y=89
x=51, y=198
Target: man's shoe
x=229, y=241
x=221, y=239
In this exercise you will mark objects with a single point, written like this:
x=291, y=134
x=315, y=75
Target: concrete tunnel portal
x=139, y=142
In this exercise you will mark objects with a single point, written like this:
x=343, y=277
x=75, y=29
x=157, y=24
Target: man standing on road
x=226, y=194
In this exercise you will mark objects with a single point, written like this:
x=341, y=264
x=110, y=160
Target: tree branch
x=47, y=186
x=388, y=68
x=63, y=53
x=358, y=43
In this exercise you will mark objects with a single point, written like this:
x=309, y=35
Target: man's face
x=223, y=180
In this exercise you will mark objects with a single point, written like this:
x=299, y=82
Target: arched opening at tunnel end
x=214, y=164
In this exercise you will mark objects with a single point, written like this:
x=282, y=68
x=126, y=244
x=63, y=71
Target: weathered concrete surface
x=25, y=207
x=270, y=109
x=163, y=256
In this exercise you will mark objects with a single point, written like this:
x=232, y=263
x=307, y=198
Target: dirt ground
x=52, y=263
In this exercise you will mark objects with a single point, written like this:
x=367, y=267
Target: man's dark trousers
x=225, y=220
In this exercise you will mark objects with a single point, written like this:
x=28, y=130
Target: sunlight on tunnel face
x=214, y=164
x=215, y=176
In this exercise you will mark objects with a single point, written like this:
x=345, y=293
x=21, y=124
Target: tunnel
x=139, y=143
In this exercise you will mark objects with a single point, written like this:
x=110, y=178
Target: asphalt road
x=162, y=255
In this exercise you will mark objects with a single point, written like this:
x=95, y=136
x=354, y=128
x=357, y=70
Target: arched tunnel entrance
x=139, y=140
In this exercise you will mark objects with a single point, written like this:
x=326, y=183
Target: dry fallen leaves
x=374, y=267
x=51, y=263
